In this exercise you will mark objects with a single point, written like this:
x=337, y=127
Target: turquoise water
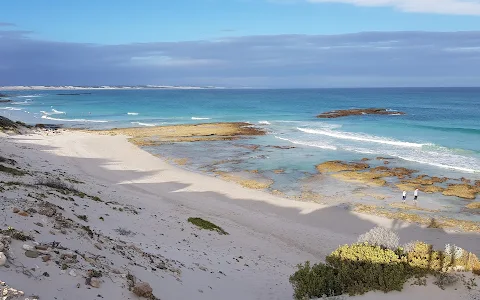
x=438, y=136
x=440, y=131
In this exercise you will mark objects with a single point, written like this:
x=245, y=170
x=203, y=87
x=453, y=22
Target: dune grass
x=12, y=171
x=204, y=224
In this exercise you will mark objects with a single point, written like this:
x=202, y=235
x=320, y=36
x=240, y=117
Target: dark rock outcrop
x=357, y=112
x=6, y=123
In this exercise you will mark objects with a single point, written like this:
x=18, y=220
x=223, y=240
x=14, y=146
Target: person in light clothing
x=415, y=196
x=404, y=197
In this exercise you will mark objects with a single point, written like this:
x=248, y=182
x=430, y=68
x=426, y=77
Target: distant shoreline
x=61, y=88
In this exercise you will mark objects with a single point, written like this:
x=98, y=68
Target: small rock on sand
x=15, y=210
x=28, y=247
x=142, y=289
x=72, y=273
x=95, y=282
x=31, y=254
x=47, y=211
x=46, y=258
x=3, y=259
x=23, y=214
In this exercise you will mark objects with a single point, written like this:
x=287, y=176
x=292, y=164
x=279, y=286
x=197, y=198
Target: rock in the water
x=142, y=289
x=3, y=259
x=358, y=112
x=31, y=254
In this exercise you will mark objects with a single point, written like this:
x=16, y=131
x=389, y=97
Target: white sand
x=268, y=235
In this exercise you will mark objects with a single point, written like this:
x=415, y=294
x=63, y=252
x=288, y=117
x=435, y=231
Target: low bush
x=381, y=236
x=83, y=217
x=359, y=268
x=57, y=184
x=363, y=268
x=204, y=224
x=317, y=281
x=12, y=171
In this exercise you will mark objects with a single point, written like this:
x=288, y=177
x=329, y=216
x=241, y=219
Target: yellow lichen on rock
x=370, y=178
x=465, y=191
x=151, y=136
x=338, y=166
x=474, y=205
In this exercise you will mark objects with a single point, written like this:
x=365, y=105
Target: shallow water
x=439, y=135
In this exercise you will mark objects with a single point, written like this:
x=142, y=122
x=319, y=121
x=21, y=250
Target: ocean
x=439, y=135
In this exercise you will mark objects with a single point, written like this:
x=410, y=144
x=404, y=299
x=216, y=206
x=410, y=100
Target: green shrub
x=359, y=268
x=204, y=224
x=364, y=268
x=12, y=171
x=317, y=281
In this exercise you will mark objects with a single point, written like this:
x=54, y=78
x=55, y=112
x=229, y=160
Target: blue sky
x=126, y=21
x=172, y=34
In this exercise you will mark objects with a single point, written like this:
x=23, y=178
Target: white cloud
x=449, y=7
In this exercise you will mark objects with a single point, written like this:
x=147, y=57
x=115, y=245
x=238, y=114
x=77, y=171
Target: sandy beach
x=144, y=207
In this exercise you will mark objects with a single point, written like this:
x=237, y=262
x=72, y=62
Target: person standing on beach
x=404, y=196
x=415, y=196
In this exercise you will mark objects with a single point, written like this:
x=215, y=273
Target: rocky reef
x=152, y=136
x=339, y=166
x=400, y=177
x=358, y=112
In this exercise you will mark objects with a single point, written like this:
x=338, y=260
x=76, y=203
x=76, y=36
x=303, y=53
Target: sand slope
x=268, y=235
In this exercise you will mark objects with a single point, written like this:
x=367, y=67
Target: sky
x=241, y=43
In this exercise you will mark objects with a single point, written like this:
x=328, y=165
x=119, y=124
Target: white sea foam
x=310, y=144
x=437, y=159
x=10, y=108
x=360, y=137
x=200, y=118
x=440, y=165
x=132, y=113
x=143, y=124
x=264, y=122
x=73, y=120
x=22, y=102
x=30, y=96
x=53, y=112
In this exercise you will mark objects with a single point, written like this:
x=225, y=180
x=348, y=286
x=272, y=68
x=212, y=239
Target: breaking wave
x=360, y=137
x=73, y=120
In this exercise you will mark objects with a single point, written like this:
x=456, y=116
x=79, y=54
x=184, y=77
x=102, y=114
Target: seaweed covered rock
x=338, y=166
x=358, y=112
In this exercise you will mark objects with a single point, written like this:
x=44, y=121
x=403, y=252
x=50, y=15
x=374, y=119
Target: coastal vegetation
x=377, y=263
x=12, y=171
x=204, y=224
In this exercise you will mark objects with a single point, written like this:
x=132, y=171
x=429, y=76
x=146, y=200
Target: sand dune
x=268, y=235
